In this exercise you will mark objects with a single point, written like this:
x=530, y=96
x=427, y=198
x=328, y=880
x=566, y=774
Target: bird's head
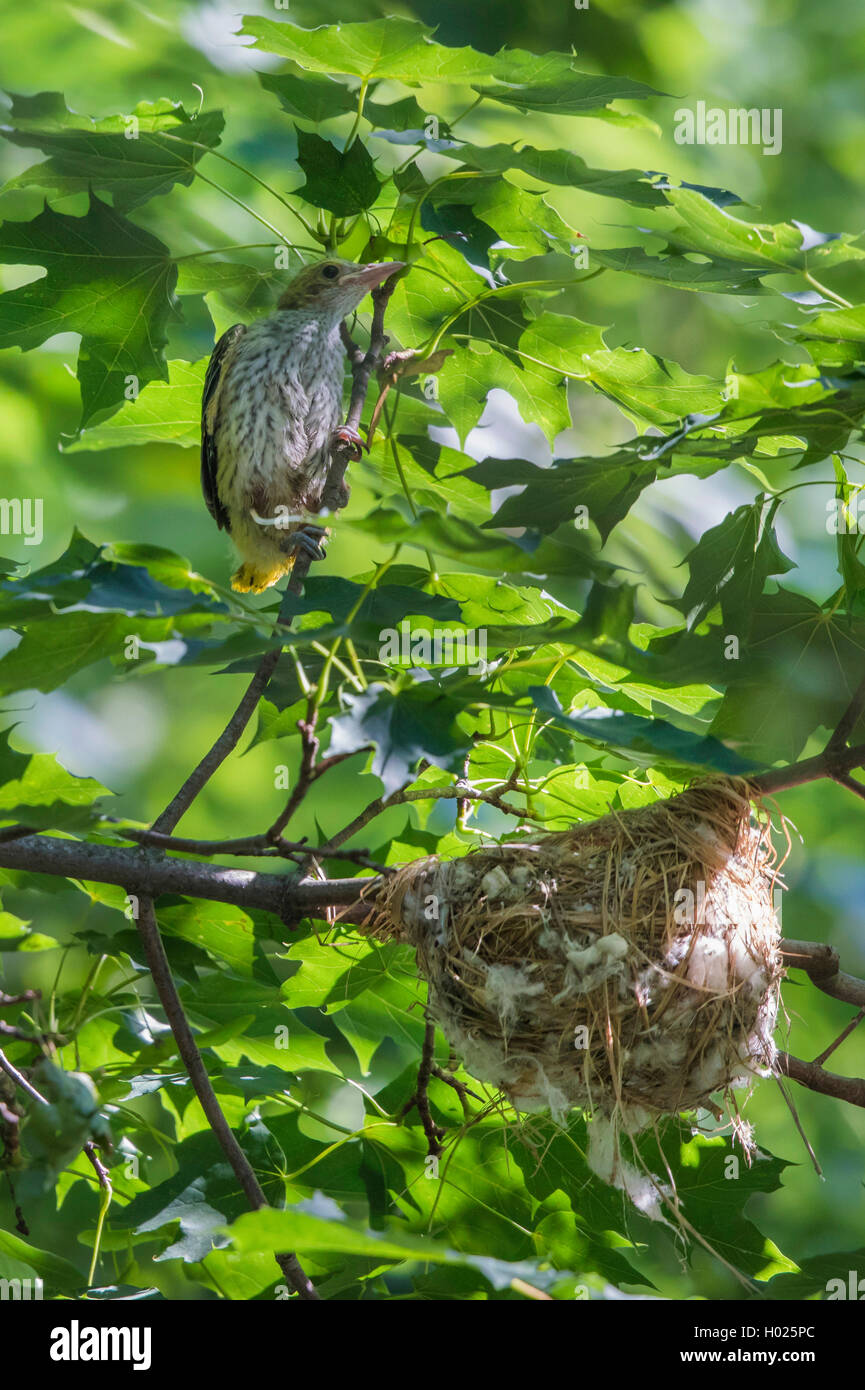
x=335, y=287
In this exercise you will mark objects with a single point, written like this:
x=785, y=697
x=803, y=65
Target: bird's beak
x=372, y=275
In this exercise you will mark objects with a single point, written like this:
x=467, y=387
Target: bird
x=270, y=415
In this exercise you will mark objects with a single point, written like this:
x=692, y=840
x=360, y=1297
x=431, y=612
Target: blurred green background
x=142, y=735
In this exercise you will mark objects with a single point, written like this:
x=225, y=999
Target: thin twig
x=225, y=744
x=252, y=847
x=420, y=1098
x=98, y=1166
x=842, y=1036
x=794, y=1113
x=20, y=1080
x=6, y=1000
x=458, y=792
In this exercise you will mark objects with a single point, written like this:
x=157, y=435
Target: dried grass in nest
x=630, y=965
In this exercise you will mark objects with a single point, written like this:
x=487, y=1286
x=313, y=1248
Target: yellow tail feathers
x=251, y=578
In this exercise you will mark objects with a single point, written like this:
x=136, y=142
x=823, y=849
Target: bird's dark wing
x=214, y=377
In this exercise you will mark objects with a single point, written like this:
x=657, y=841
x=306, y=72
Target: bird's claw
x=307, y=540
x=351, y=440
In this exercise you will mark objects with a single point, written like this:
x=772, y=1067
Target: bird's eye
x=330, y=272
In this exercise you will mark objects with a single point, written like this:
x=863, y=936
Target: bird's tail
x=252, y=578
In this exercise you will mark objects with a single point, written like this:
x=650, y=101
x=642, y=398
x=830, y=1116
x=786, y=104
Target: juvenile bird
x=270, y=414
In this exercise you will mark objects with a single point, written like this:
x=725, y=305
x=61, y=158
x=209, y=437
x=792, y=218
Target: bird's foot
x=307, y=540
x=350, y=440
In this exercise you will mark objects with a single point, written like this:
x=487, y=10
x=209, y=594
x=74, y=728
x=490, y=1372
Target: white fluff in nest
x=505, y=990
x=751, y=972
x=497, y=884
x=461, y=874
x=708, y=966
x=710, y=1071
x=543, y=1095
x=604, y=1157
x=589, y=966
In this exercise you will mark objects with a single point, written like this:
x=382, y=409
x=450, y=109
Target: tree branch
x=848, y=721
x=812, y=1075
x=821, y=965
x=160, y=970
x=832, y=762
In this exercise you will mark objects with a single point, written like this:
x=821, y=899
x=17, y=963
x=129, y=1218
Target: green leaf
x=203, y=1194
x=106, y=279
x=310, y=1235
x=632, y=734
x=226, y=933
x=133, y=157
x=646, y=387
x=558, y=167
x=450, y=536
x=402, y=48
x=716, y=276
x=132, y=579
x=312, y=98
x=474, y=369
x=57, y=1273
x=698, y=224
x=731, y=563
x=829, y=1277
x=165, y=412
x=800, y=666
x=606, y=487
x=46, y=796
x=342, y=181
x=414, y=724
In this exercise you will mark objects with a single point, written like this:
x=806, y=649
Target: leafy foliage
x=493, y=649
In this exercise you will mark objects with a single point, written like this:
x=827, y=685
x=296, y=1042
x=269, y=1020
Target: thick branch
x=812, y=1075
x=821, y=965
x=149, y=875
x=832, y=762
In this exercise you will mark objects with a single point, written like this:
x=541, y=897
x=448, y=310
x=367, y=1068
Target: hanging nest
x=630, y=965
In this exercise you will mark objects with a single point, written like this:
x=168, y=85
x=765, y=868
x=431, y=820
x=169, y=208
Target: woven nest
x=630, y=966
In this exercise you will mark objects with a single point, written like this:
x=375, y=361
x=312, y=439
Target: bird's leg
x=349, y=439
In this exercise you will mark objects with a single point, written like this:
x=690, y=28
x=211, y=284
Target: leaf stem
x=241, y=204
x=830, y=294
